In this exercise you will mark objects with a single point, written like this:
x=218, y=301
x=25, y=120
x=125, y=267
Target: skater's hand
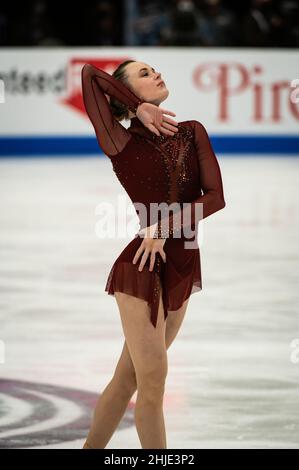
x=153, y=118
x=150, y=246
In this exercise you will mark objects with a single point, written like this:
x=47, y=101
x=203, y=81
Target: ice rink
x=233, y=379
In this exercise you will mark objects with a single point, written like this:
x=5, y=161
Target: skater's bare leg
x=123, y=384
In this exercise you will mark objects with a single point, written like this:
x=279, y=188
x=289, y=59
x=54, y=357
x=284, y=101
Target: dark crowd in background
x=205, y=23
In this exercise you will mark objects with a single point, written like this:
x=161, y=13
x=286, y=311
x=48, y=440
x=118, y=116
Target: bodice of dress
x=157, y=170
x=180, y=169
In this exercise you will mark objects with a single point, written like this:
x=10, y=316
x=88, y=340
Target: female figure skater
x=157, y=160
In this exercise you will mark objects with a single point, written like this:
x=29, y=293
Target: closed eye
x=146, y=73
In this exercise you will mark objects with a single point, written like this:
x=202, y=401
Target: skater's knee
x=125, y=381
x=151, y=379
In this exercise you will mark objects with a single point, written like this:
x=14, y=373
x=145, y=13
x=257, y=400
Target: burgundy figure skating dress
x=156, y=169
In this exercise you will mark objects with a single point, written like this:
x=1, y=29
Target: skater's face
x=145, y=82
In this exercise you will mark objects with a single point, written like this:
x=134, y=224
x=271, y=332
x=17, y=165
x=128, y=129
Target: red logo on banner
x=73, y=80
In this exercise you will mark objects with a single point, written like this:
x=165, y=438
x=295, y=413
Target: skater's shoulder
x=191, y=125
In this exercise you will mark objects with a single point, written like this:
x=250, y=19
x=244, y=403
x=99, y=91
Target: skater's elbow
x=87, y=71
x=222, y=203
x=218, y=198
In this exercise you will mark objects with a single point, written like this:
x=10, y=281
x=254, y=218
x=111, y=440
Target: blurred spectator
x=182, y=25
x=263, y=26
x=289, y=10
x=217, y=25
x=104, y=25
x=95, y=23
x=150, y=22
x=40, y=31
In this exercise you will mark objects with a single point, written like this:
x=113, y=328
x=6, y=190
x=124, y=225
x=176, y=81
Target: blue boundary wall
x=71, y=146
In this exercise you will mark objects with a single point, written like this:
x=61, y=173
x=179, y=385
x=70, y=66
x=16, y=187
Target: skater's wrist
x=148, y=232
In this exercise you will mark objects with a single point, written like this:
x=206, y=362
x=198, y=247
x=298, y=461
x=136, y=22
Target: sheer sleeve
x=111, y=135
x=210, y=184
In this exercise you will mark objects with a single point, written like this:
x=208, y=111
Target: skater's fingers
x=170, y=121
x=153, y=259
x=166, y=111
x=137, y=254
x=143, y=259
x=152, y=128
x=170, y=127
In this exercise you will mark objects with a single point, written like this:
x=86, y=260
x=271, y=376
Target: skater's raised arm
x=111, y=135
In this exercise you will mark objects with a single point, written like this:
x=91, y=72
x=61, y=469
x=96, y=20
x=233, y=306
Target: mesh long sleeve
x=210, y=182
x=111, y=135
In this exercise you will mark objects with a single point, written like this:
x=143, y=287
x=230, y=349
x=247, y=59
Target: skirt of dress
x=178, y=278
